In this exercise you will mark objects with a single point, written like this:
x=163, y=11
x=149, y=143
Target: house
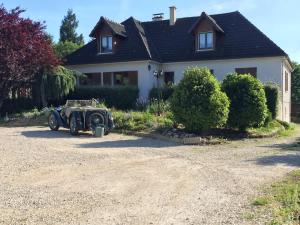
x=129, y=53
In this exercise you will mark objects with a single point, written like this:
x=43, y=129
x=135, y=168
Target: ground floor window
x=169, y=78
x=123, y=78
x=107, y=79
x=90, y=79
x=249, y=70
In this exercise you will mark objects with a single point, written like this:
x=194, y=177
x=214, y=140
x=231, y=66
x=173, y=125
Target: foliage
x=68, y=29
x=60, y=81
x=63, y=49
x=272, y=96
x=296, y=83
x=198, y=102
x=25, y=51
x=138, y=121
x=248, y=101
x=165, y=93
x=283, y=200
x=118, y=97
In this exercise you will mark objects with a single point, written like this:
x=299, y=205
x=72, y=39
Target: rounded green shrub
x=248, y=106
x=198, y=102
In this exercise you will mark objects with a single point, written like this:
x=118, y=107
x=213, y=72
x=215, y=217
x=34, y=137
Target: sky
x=278, y=19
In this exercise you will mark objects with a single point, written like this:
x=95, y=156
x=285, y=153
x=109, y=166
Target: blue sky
x=278, y=19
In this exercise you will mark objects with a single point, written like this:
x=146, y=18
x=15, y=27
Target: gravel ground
x=52, y=178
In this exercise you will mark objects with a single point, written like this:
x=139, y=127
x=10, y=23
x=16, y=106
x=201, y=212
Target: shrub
x=198, y=102
x=248, y=101
x=165, y=93
x=118, y=97
x=272, y=96
x=16, y=105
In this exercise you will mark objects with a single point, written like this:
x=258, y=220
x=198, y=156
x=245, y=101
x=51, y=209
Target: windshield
x=81, y=103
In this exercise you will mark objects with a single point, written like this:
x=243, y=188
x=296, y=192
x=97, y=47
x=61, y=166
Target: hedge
x=117, y=97
x=165, y=93
x=18, y=105
x=272, y=96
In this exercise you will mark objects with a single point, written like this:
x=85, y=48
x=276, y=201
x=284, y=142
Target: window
x=250, y=70
x=106, y=44
x=90, y=79
x=205, y=41
x=107, y=79
x=286, y=81
x=169, y=78
x=126, y=78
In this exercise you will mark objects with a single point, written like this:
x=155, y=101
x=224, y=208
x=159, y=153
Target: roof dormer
x=205, y=30
x=108, y=33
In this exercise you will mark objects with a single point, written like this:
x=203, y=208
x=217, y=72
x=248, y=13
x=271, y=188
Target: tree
x=296, y=83
x=68, y=29
x=63, y=49
x=25, y=52
x=198, y=102
x=60, y=81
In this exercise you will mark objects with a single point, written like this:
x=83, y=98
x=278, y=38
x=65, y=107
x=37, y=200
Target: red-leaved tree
x=25, y=51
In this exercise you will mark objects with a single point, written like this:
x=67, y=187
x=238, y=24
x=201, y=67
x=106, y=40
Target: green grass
x=261, y=201
x=274, y=128
x=283, y=200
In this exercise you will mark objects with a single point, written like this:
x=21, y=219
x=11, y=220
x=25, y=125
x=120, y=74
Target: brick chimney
x=172, y=15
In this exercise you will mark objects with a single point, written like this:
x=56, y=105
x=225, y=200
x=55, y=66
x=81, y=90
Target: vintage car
x=80, y=115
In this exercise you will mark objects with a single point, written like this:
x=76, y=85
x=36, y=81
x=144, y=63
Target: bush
x=198, y=102
x=272, y=96
x=165, y=93
x=118, y=97
x=16, y=105
x=248, y=101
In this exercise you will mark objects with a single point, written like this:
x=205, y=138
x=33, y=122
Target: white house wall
x=286, y=95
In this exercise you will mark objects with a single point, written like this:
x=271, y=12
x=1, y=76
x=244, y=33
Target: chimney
x=158, y=17
x=172, y=15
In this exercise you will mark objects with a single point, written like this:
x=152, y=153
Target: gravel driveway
x=53, y=178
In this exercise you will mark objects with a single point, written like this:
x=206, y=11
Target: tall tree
x=25, y=52
x=296, y=83
x=68, y=29
x=63, y=49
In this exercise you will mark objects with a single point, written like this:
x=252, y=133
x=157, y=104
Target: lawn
x=282, y=200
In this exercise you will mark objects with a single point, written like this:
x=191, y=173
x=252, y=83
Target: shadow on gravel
x=289, y=155
x=53, y=134
x=137, y=143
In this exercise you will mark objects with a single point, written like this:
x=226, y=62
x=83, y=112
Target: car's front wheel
x=53, y=122
x=73, y=125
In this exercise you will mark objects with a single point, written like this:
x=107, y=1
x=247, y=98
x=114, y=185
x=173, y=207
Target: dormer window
x=106, y=44
x=205, y=41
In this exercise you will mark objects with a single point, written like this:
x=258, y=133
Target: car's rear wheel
x=53, y=122
x=73, y=125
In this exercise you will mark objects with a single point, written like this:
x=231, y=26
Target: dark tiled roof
x=157, y=40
